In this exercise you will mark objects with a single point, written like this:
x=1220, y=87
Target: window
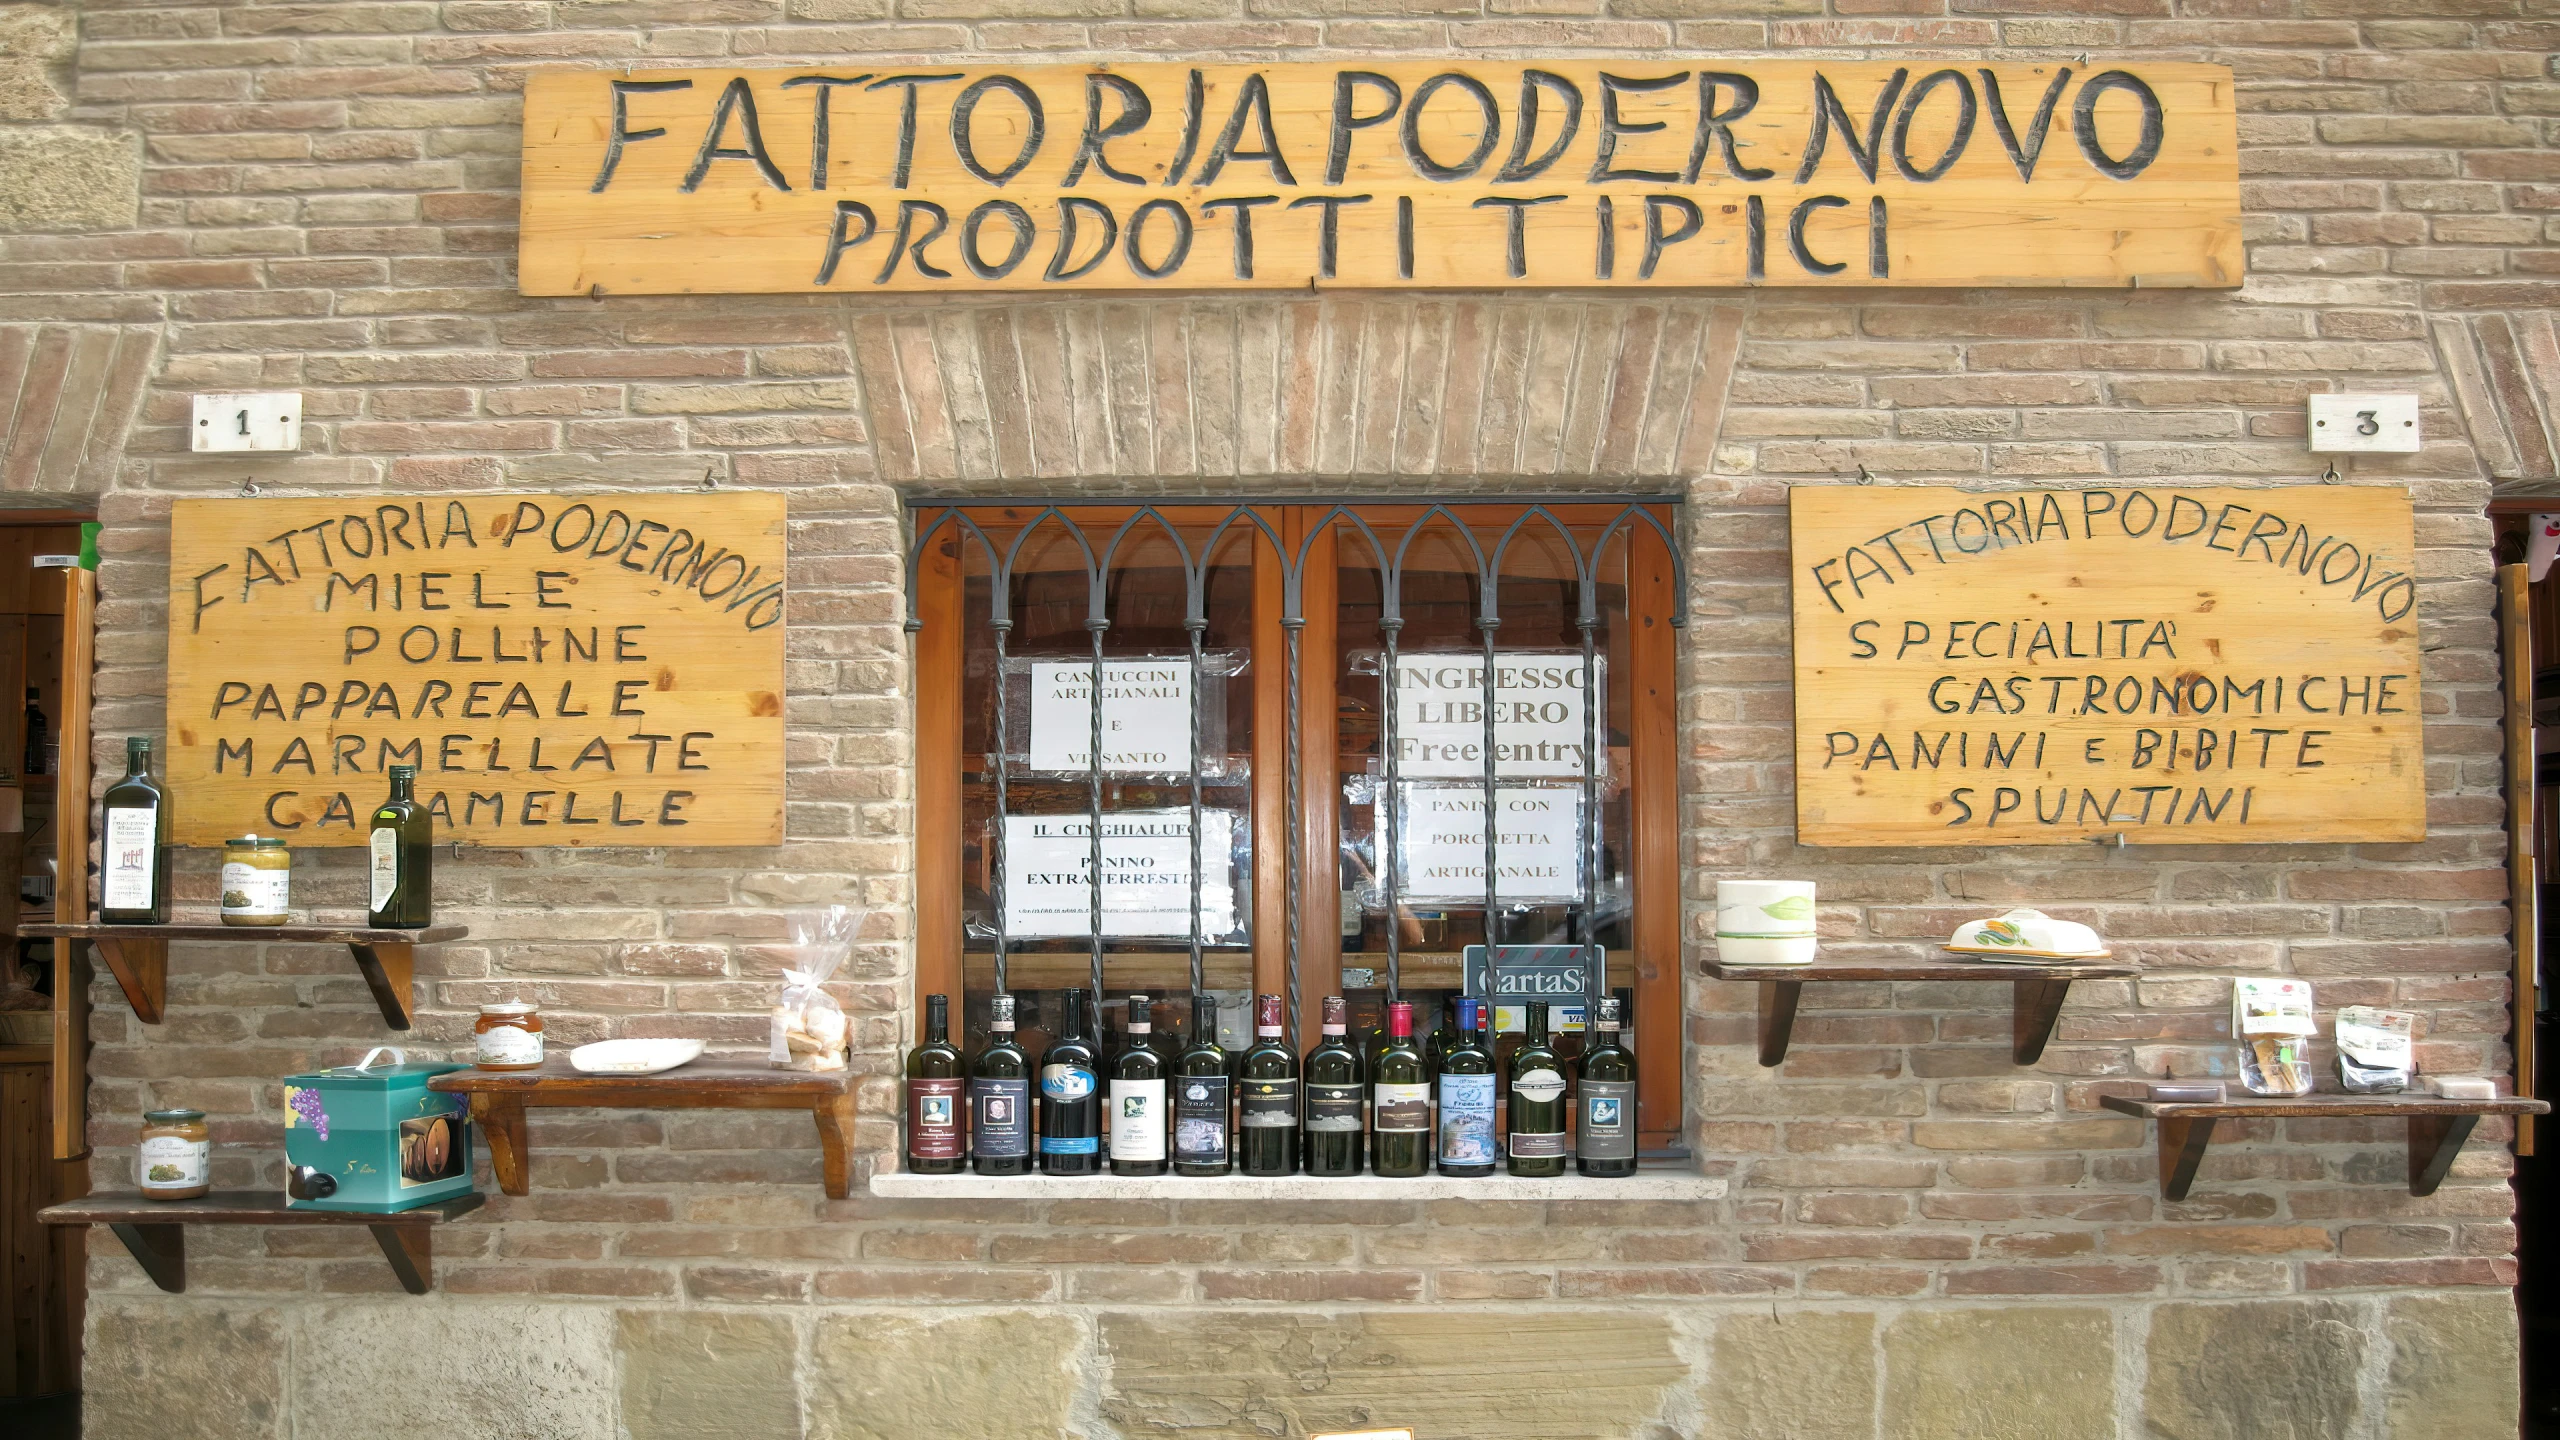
x=1274, y=675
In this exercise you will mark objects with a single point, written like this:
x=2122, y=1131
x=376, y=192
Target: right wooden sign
x=2175, y=666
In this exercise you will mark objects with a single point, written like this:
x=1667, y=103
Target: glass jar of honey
x=508, y=1036
x=257, y=880
x=176, y=1153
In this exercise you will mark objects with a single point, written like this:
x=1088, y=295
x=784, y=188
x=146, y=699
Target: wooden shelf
x=499, y=1099
x=2035, y=1004
x=2437, y=1126
x=155, y=1231
x=139, y=955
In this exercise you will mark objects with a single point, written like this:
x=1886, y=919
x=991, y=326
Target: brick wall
x=321, y=198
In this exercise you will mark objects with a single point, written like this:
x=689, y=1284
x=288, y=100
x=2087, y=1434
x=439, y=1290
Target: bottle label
x=1070, y=1145
x=1537, y=1147
x=1200, y=1120
x=1540, y=1085
x=250, y=891
x=1065, y=1082
x=131, y=858
x=1608, y=1129
x=933, y=1119
x=1000, y=1125
x=385, y=848
x=1403, y=1109
x=509, y=1045
x=1137, y=1119
x=1270, y=1104
x=168, y=1162
x=1333, y=1109
x=1466, y=1119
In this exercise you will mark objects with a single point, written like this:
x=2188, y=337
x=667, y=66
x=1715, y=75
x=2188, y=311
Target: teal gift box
x=373, y=1138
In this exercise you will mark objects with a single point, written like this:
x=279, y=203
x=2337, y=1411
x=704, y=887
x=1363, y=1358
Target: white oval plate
x=633, y=1057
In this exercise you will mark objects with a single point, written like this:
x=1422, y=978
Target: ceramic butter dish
x=2028, y=935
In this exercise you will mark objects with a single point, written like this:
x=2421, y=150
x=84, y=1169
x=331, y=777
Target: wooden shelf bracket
x=2036, y=993
x=2437, y=1127
x=138, y=956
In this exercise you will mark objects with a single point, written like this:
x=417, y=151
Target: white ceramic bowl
x=1765, y=908
x=633, y=1057
x=1766, y=949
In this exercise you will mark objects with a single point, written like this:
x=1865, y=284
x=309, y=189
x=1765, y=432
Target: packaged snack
x=2272, y=1019
x=809, y=1028
x=2374, y=1056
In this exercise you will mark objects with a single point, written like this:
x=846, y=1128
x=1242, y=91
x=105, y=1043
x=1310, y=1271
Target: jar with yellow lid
x=176, y=1154
x=257, y=881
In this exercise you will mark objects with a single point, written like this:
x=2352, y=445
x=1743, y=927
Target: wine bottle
x=38, y=759
x=1268, y=1141
x=134, y=855
x=1403, y=1100
x=1466, y=1097
x=1000, y=1098
x=1537, y=1101
x=1442, y=1036
x=403, y=857
x=1137, y=1096
x=1334, y=1097
x=1070, y=1107
x=1604, y=1141
x=934, y=1079
x=1203, y=1127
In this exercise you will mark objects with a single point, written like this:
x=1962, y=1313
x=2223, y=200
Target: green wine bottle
x=1605, y=1131
x=1403, y=1106
x=934, y=1083
x=402, y=850
x=1466, y=1097
x=1203, y=1098
x=1000, y=1098
x=1335, y=1097
x=1138, y=1129
x=1267, y=1140
x=134, y=886
x=1537, y=1101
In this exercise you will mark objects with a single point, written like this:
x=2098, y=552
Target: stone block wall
x=1919, y=1238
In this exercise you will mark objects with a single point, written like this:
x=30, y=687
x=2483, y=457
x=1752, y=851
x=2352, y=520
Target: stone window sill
x=1664, y=1184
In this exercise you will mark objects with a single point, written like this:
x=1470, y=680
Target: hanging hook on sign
x=249, y=488
x=2331, y=476
x=710, y=478
x=1865, y=476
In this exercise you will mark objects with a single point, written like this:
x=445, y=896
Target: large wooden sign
x=1435, y=173
x=562, y=669
x=2174, y=666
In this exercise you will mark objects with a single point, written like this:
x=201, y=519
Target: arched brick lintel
x=1143, y=392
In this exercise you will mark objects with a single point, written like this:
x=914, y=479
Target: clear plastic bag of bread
x=809, y=1028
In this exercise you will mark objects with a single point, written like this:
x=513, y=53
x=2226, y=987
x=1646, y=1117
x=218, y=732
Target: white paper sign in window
x=1537, y=715
x=1536, y=850
x=1146, y=716
x=1146, y=867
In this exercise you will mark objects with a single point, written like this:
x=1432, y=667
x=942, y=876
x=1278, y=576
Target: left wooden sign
x=562, y=669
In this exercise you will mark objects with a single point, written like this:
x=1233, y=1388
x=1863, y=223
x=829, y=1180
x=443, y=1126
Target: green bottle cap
x=403, y=772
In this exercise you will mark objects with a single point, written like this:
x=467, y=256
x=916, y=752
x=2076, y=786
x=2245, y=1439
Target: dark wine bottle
x=1000, y=1098
x=1070, y=1105
x=1537, y=1101
x=1268, y=1138
x=1442, y=1036
x=1604, y=1141
x=1203, y=1122
x=38, y=757
x=1466, y=1097
x=935, y=1075
x=403, y=852
x=1403, y=1093
x=1335, y=1097
x=133, y=884
x=1137, y=1096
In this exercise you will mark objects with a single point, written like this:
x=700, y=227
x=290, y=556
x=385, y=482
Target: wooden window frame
x=1654, y=610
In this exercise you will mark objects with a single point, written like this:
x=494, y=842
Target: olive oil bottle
x=135, y=858
x=401, y=858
